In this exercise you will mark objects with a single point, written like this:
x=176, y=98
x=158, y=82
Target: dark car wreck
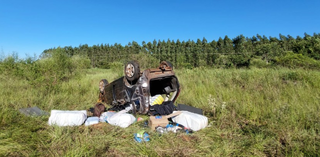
x=136, y=88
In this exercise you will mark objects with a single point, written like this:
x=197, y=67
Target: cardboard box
x=155, y=121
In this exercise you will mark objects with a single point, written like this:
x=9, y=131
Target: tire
x=132, y=71
x=102, y=84
x=166, y=64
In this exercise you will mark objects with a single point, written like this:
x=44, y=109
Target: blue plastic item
x=139, y=138
x=146, y=137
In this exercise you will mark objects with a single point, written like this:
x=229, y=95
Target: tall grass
x=273, y=110
x=252, y=112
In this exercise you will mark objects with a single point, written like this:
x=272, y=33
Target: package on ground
x=155, y=121
x=104, y=116
x=120, y=118
x=191, y=120
x=67, y=118
x=91, y=121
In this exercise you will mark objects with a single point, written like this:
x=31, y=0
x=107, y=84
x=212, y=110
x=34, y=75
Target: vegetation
x=226, y=53
x=252, y=112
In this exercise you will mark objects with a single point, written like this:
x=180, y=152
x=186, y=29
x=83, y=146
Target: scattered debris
x=91, y=121
x=141, y=136
x=151, y=92
x=167, y=107
x=67, y=118
x=120, y=118
x=139, y=119
x=191, y=120
x=155, y=121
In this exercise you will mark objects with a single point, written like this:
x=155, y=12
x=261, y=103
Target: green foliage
x=242, y=60
x=145, y=60
x=224, y=62
x=52, y=69
x=49, y=71
x=118, y=68
x=259, y=63
x=293, y=60
x=80, y=62
x=11, y=65
x=186, y=66
x=199, y=53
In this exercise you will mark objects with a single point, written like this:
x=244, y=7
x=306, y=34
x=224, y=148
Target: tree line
x=240, y=51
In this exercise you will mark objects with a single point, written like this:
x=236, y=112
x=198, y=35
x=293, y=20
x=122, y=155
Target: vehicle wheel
x=132, y=71
x=102, y=84
x=165, y=64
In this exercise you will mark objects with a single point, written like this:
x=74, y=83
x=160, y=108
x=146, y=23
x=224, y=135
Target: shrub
x=224, y=62
x=145, y=60
x=293, y=60
x=54, y=68
x=240, y=60
x=185, y=65
x=13, y=66
x=80, y=62
x=258, y=63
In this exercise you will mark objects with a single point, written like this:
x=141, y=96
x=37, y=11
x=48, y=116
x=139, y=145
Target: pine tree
x=220, y=46
x=228, y=45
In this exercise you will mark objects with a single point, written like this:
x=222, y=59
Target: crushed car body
x=136, y=88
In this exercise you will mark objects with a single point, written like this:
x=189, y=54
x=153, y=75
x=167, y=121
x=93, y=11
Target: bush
x=145, y=60
x=118, y=67
x=185, y=65
x=57, y=66
x=224, y=62
x=80, y=62
x=240, y=60
x=293, y=60
x=258, y=63
x=11, y=65
x=47, y=72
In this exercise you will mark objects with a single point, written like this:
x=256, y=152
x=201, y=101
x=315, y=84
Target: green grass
x=256, y=112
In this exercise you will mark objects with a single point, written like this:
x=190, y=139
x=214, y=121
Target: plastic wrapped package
x=191, y=120
x=67, y=118
x=91, y=121
x=120, y=118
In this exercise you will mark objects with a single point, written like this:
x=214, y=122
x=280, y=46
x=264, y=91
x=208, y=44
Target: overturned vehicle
x=136, y=89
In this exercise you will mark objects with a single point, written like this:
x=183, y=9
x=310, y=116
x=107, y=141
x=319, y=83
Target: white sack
x=120, y=118
x=104, y=116
x=191, y=120
x=91, y=121
x=67, y=118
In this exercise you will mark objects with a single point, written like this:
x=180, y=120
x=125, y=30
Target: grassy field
x=256, y=112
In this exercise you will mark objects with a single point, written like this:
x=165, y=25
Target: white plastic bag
x=191, y=120
x=120, y=118
x=67, y=118
x=104, y=116
x=91, y=121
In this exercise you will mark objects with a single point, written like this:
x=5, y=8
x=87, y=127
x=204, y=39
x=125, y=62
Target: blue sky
x=27, y=27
